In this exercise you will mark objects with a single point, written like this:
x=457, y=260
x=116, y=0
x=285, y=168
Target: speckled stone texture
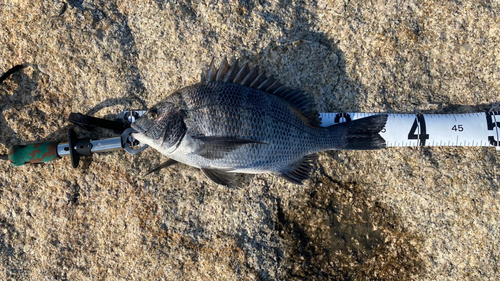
x=399, y=213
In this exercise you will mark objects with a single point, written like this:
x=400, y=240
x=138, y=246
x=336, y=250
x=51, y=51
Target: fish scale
x=229, y=127
x=241, y=117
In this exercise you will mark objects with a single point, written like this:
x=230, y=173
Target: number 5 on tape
x=493, y=123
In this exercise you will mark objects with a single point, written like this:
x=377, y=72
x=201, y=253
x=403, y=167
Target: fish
x=239, y=120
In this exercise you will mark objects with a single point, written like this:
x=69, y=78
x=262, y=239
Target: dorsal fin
x=253, y=78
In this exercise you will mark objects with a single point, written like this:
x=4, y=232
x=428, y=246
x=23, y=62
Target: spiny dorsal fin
x=253, y=78
x=223, y=68
x=302, y=171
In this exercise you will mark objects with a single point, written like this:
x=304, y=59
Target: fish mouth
x=137, y=128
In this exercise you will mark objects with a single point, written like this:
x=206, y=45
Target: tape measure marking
x=432, y=129
x=491, y=119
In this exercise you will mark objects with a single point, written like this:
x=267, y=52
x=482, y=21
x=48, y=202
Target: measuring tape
x=470, y=129
x=403, y=130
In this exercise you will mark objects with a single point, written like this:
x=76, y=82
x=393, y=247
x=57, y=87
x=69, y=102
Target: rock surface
x=405, y=213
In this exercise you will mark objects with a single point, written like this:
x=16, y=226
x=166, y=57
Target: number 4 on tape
x=418, y=130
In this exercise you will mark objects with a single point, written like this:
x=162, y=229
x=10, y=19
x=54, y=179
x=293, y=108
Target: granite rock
x=398, y=213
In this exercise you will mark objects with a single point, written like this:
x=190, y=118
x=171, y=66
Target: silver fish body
x=236, y=122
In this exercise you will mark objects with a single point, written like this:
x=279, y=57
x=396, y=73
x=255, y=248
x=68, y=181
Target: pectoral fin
x=217, y=147
x=219, y=177
x=165, y=164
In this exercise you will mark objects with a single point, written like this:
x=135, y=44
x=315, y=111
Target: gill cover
x=164, y=126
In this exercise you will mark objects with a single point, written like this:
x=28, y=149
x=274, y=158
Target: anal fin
x=302, y=171
x=219, y=177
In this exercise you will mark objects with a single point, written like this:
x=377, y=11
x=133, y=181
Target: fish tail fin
x=363, y=134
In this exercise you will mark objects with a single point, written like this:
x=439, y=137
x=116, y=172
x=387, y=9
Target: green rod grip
x=33, y=153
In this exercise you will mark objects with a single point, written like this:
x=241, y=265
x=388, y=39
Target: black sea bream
x=237, y=120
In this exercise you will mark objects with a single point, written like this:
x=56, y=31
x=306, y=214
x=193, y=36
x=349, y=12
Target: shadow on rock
x=340, y=233
x=18, y=90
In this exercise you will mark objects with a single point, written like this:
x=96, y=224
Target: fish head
x=161, y=127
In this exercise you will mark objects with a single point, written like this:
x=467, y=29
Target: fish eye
x=152, y=115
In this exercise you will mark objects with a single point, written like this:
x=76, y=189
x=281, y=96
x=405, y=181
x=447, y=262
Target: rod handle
x=33, y=153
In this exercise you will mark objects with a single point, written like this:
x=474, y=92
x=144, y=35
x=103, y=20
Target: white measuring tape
x=471, y=129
